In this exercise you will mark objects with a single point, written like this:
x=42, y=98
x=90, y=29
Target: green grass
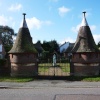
x=91, y=79
x=84, y=78
x=43, y=67
x=65, y=67
x=68, y=78
x=15, y=79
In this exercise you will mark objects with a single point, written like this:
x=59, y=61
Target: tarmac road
x=50, y=90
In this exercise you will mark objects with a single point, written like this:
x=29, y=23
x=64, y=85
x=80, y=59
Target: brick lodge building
x=23, y=55
x=85, y=54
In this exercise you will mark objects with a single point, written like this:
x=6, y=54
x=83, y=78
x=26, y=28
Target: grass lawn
x=68, y=78
x=14, y=79
x=44, y=67
x=91, y=79
x=65, y=67
x=84, y=78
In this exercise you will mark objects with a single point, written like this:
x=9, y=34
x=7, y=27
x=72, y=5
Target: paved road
x=51, y=83
x=48, y=93
x=50, y=90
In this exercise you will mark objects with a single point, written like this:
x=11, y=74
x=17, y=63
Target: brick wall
x=85, y=64
x=23, y=64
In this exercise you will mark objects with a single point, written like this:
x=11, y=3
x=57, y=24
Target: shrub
x=2, y=62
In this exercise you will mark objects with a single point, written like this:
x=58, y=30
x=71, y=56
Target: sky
x=51, y=19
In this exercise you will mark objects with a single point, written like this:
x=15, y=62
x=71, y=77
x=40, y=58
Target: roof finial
x=84, y=21
x=24, y=24
x=84, y=13
x=24, y=15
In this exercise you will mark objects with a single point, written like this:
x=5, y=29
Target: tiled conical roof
x=85, y=41
x=39, y=47
x=23, y=43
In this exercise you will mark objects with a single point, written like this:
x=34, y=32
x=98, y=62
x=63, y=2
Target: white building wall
x=64, y=47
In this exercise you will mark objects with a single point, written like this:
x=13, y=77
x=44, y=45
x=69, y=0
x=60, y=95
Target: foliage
x=54, y=46
x=63, y=60
x=6, y=34
x=46, y=45
x=50, y=46
x=2, y=62
x=7, y=48
x=48, y=49
x=98, y=45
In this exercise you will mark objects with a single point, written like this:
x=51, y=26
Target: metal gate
x=46, y=68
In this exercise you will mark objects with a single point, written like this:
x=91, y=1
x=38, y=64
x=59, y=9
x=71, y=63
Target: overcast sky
x=51, y=19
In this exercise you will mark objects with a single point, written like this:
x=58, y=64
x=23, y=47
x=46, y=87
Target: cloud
x=15, y=7
x=76, y=29
x=93, y=27
x=7, y=21
x=71, y=40
x=36, y=23
x=63, y=10
x=3, y=20
x=96, y=38
x=68, y=39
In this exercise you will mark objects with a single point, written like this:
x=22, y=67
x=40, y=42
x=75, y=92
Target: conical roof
x=23, y=43
x=39, y=47
x=85, y=41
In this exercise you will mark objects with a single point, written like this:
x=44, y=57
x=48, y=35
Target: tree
x=50, y=46
x=98, y=44
x=46, y=46
x=54, y=46
x=6, y=34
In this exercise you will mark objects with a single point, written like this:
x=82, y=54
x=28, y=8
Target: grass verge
x=15, y=79
x=68, y=78
x=85, y=78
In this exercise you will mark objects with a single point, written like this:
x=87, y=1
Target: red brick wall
x=23, y=64
x=23, y=58
x=86, y=57
x=85, y=64
x=23, y=70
